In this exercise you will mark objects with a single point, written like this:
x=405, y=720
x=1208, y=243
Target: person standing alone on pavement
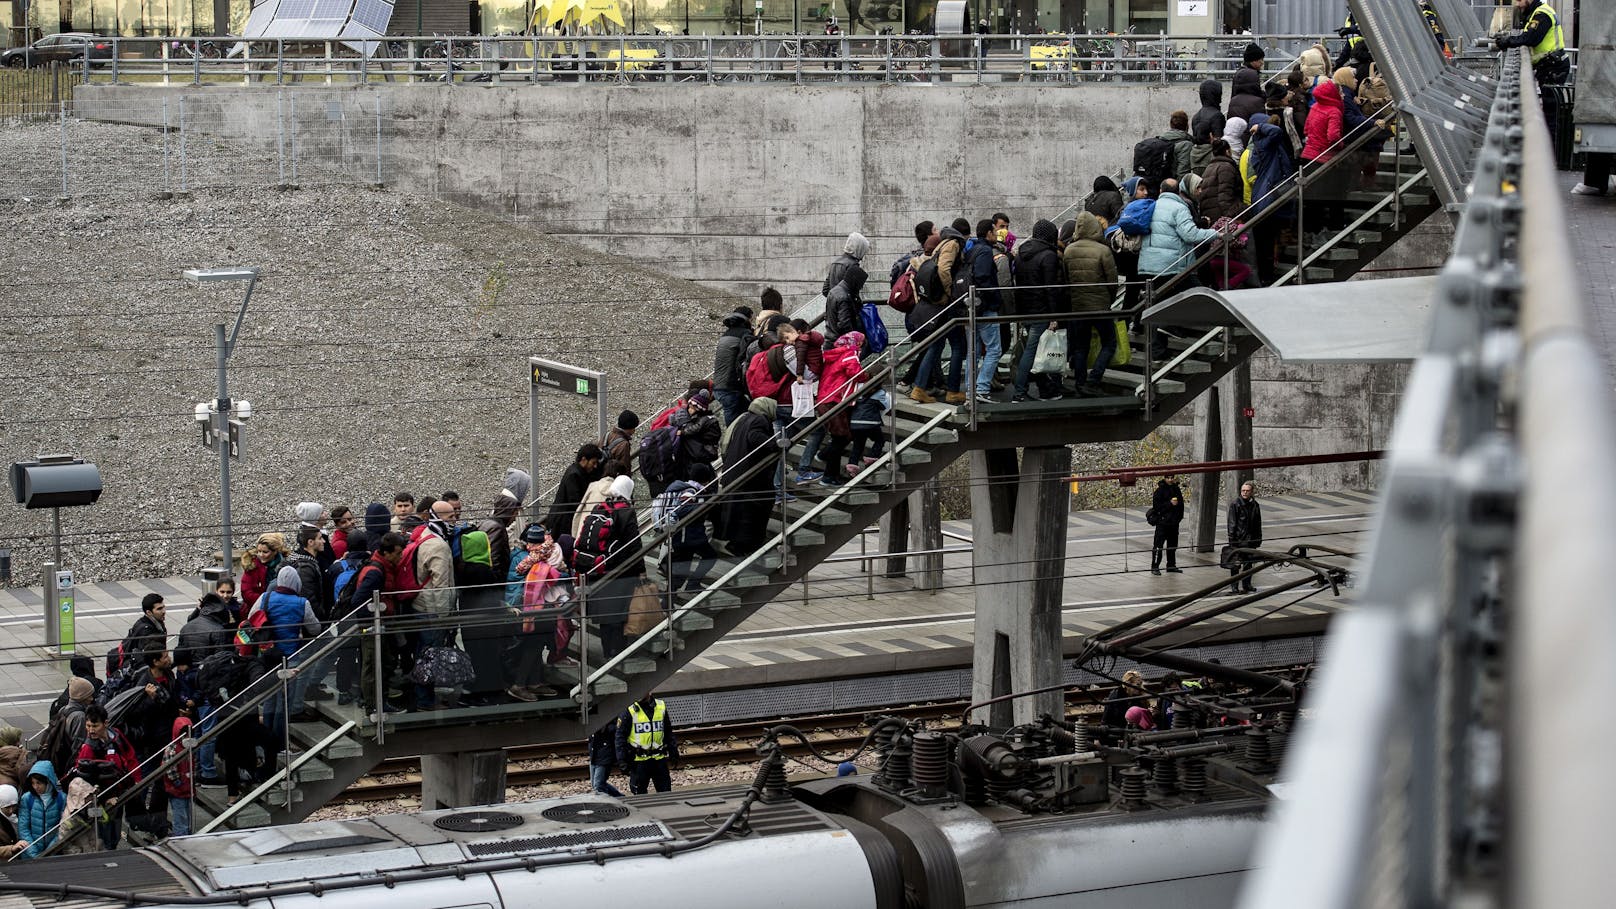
x=1244, y=526
x=645, y=744
x=1168, y=504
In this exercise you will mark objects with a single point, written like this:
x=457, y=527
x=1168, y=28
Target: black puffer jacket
x=729, y=360
x=837, y=270
x=207, y=632
x=1207, y=124
x=1246, y=98
x=1038, y=265
x=842, y=304
x=1167, y=512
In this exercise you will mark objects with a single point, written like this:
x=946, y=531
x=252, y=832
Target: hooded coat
x=378, y=521
x=1172, y=234
x=747, y=504
x=290, y=615
x=1038, y=265
x=729, y=360
x=843, y=305
x=1271, y=164
x=1207, y=124
x=484, y=628
x=1246, y=93
x=1089, y=261
x=38, y=817
x=178, y=781
x=574, y=480
x=207, y=632
x=1105, y=201
x=1326, y=122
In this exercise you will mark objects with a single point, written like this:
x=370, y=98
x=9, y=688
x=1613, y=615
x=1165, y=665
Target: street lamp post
x=220, y=411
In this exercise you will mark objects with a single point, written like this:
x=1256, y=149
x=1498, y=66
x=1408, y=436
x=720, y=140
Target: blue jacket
x=37, y=817
x=1272, y=164
x=984, y=274
x=1172, y=235
x=286, y=615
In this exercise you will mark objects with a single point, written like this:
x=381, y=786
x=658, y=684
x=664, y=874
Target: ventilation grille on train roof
x=478, y=821
x=614, y=836
x=586, y=813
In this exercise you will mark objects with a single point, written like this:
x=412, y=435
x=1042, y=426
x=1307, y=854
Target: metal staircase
x=923, y=439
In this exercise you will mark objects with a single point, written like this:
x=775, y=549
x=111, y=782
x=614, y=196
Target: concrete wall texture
x=742, y=186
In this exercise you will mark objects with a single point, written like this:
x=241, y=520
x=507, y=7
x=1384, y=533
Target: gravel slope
x=384, y=348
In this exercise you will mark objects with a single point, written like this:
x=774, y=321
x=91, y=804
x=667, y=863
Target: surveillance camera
x=244, y=410
x=204, y=412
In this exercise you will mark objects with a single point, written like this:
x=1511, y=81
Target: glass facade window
x=135, y=18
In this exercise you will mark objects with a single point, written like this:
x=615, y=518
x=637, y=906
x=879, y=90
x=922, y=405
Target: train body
x=789, y=854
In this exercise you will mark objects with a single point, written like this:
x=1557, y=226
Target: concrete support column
x=1236, y=425
x=1207, y=494
x=462, y=778
x=1018, y=522
x=926, y=534
x=895, y=538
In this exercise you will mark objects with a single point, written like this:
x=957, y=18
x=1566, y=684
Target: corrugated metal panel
x=437, y=17
x=1296, y=17
x=1596, y=65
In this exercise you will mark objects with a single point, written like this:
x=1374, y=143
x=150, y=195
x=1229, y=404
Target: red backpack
x=408, y=588
x=594, y=543
x=662, y=419
x=902, y=297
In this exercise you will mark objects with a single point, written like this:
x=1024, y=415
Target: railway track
x=699, y=746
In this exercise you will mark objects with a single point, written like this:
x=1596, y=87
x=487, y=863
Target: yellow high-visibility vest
x=1553, y=39
x=645, y=733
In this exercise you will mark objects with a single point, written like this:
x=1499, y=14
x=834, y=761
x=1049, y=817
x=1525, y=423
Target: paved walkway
x=1591, y=228
x=835, y=629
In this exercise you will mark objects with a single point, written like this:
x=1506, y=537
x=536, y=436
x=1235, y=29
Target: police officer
x=1550, y=65
x=1355, y=41
x=645, y=744
x=1429, y=12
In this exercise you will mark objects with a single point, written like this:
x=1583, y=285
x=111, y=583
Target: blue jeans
x=987, y=352
x=600, y=780
x=1035, y=330
x=932, y=361
x=790, y=426
x=204, y=752
x=733, y=402
x=810, y=448
x=309, y=676
x=179, y=817
x=276, y=707
x=1077, y=351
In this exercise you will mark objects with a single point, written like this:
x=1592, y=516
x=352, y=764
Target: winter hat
x=534, y=533
x=623, y=487
x=287, y=577
x=931, y=243
x=1254, y=52
x=1104, y=184
x=628, y=420
x=1257, y=120
x=1347, y=76
x=1234, y=133
x=11, y=735
x=309, y=512
x=80, y=690
x=8, y=795
x=702, y=399
x=517, y=484
x=358, y=543
x=856, y=246
x=1045, y=232
x=852, y=339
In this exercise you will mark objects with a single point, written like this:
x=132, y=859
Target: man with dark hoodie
x=729, y=364
x=1207, y=124
x=585, y=469
x=1039, y=271
x=507, y=505
x=842, y=304
x=1246, y=92
x=1105, y=202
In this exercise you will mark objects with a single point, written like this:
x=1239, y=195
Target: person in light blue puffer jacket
x=1167, y=249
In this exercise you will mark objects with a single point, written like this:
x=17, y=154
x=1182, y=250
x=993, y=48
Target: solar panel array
x=358, y=22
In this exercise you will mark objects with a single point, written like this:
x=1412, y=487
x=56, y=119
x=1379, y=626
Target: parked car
x=67, y=47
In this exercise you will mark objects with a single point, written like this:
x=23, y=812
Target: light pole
x=222, y=409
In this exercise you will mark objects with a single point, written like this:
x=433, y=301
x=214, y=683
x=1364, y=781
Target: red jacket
x=177, y=782
x=1324, y=122
x=120, y=753
x=841, y=371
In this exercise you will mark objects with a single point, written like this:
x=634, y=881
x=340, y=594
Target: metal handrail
x=284, y=773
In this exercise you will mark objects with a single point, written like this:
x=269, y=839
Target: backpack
x=1373, y=93
x=117, y=659
x=928, y=282
x=594, y=542
x=1004, y=268
x=221, y=676
x=665, y=417
x=345, y=592
x=902, y=297
x=875, y=331
x=252, y=637
x=56, y=745
x=658, y=451
x=343, y=579
x=1153, y=159
x=115, y=683
x=408, y=587
x=1136, y=217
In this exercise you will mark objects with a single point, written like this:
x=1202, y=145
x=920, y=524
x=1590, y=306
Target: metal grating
x=609, y=837
x=586, y=813
x=479, y=821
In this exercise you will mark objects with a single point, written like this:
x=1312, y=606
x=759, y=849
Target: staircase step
x=693, y=621
x=937, y=435
x=312, y=769
x=212, y=801
x=307, y=735
x=804, y=536
x=914, y=454
x=276, y=797
x=1135, y=379
x=637, y=666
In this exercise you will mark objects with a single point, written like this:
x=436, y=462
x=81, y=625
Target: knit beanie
x=8, y=795
x=309, y=512
x=80, y=690
x=628, y=421
x=1254, y=53
x=623, y=487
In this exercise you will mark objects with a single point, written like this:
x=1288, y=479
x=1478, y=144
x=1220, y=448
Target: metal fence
x=630, y=58
x=35, y=93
